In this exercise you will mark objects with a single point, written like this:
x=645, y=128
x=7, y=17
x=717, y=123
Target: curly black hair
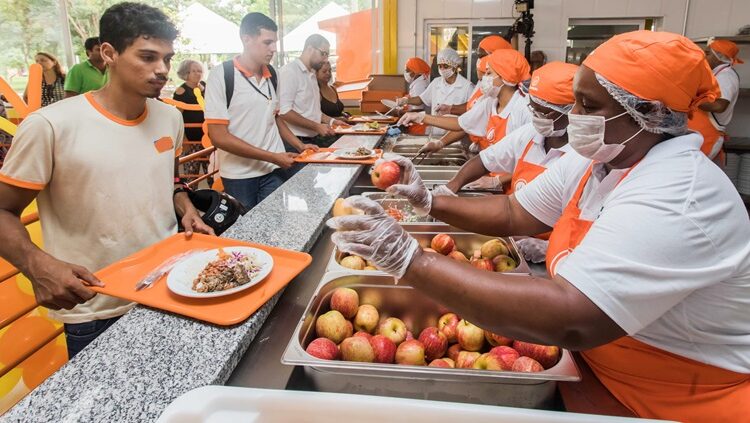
x=123, y=23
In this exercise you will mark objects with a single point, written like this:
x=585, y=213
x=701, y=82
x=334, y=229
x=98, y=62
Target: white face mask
x=446, y=73
x=586, y=137
x=408, y=77
x=488, y=87
x=546, y=126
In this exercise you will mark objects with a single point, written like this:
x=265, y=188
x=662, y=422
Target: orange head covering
x=418, y=66
x=482, y=64
x=491, y=43
x=727, y=48
x=553, y=83
x=510, y=65
x=658, y=66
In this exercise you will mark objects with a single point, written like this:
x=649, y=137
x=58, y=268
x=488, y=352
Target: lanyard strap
x=267, y=97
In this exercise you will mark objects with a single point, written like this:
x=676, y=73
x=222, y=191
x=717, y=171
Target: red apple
x=453, y=351
x=466, y=359
x=357, y=349
x=332, y=325
x=527, y=365
x=484, y=264
x=409, y=336
x=458, y=256
x=385, y=174
x=505, y=355
x=443, y=244
x=385, y=349
x=470, y=337
x=363, y=334
x=447, y=323
x=435, y=343
x=349, y=329
x=410, y=353
x=323, y=348
x=487, y=361
x=346, y=301
x=393, y=329
x=442, y=362
x=366, y=318
x=546, y=355
x=496, y=340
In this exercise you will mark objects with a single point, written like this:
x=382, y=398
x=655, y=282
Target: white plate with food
x=219, y=272
x=360, y=153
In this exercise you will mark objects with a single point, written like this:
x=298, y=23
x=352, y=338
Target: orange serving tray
x=122, y=276
x=307, y=156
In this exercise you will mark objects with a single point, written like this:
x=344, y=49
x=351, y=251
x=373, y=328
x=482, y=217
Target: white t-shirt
x=668, y=255
x=418, y=85
x=299, y=91
x=440, y=92
x=251, y=117
x=502, y=157
x=729, y=83
x=474, y=121
x=105, y=185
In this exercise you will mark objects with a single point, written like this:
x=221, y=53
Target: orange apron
x=524, y=173
x=651, y=382
x=705, y=123
x=469, y=104
x=495, y=131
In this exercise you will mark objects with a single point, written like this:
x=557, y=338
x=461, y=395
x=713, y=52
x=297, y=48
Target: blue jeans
x=251, y=191
x=79, y=335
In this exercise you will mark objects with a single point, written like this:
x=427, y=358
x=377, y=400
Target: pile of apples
x=354, y=332
x=493, y=256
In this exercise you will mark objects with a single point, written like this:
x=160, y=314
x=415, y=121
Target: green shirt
x=85, y=77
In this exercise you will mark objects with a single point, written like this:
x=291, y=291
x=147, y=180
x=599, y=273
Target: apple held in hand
x=332, y=325
x=443, y=244
x=546, y=355
x=447, y=324
x=384, y=348
x=385, y=174
x=410, y=353
x=470, y=337
x=323, y=348
x=366, y=318
x=345, y=301
x=526, y=365
x=357, y=349
x=393, y=329
x=435, y=343
x=506, y=356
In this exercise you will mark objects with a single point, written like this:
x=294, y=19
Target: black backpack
x=229, y=79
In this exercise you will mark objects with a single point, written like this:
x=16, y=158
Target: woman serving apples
x=649, y=257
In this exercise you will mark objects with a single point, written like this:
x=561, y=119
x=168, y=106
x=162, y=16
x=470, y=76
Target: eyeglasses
x=325, y=54
x=542, y=115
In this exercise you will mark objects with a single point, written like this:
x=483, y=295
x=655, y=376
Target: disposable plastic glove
x=432, y=147
x=443, y=190
x=410, y=186
x=374, y=236
x=485, y=182
x=533, y=249
x=411, y=118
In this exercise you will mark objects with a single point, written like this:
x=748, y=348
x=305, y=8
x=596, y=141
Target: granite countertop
x=150, y=357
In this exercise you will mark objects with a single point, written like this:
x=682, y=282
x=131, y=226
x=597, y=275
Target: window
x=584, y=35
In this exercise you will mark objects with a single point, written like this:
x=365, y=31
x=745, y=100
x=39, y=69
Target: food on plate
x=359, y=152
x=443, y=244
x=228, y=271
x=385, y=174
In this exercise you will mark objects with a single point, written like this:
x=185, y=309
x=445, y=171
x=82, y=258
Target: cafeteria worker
x=649, y=258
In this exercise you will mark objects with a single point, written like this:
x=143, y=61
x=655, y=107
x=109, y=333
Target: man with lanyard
x=649, y=259
x=299, y=93
x=503, y=110
x=712, y=119
x=102, y=167
x=90, y=75
x=245, y=128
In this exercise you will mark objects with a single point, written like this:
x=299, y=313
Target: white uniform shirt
x=668, y=255
x=418, y=85
x=251, y=117
x=440, y=92
x=474, y=122
x=299, y=91
x=502, y=157
x=729, y=83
